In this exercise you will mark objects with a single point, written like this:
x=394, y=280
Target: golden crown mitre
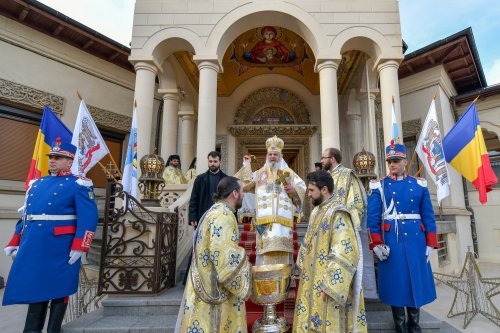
x=275, y=144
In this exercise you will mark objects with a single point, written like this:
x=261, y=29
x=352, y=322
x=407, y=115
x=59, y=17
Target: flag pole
x=415, y=151
x=116, y=165
x=475, y=99
x=419, y=171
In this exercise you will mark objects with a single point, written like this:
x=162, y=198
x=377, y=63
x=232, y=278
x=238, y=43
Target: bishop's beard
x=274, y=166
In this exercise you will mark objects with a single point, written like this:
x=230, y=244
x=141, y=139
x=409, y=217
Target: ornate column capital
x=170, y=94
x=142, y=65
x=326, y=63
x=388, y=64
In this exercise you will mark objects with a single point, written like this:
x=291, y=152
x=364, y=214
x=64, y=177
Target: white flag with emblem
x=129, y=181
x=90, y=146
x=430, y=151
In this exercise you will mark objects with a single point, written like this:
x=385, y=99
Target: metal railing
x=139, y=245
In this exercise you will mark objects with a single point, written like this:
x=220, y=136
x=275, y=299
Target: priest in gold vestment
x=330, y=296
x=173, y=173
x=279, y=194
x=348, y=189
x=220, y=274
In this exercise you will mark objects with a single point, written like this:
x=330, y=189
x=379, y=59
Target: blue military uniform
x=60, y=215
x=405, y=278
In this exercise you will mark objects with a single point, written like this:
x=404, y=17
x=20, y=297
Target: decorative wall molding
x=34, y=98
x=271, y=97
x=110, y=119
x=412, y=128
x=270, y=130
x=222, y=141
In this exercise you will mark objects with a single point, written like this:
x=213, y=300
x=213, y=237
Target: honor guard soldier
x=58, y=224
x=402, y=232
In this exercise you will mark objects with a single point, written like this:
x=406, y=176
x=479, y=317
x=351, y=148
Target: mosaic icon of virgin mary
x=269, y=50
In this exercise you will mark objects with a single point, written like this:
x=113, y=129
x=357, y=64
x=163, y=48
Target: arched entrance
x=273, y=111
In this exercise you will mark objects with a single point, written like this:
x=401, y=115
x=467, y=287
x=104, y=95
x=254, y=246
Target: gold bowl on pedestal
x=270, y=287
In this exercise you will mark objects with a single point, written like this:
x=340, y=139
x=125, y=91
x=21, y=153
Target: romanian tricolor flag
x=51, y=127
x=465, y=150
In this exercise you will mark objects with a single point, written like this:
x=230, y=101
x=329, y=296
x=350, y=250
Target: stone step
x=132, y=314
x=97, y=322
x=376, y=305
x=165, y=304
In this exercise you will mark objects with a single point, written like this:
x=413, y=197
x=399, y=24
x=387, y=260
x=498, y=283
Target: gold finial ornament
x=275, y=144
x=151, y=181
x=364, y=163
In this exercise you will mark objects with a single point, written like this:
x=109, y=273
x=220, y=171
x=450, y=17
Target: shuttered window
x=17, y=141
x=18, y=133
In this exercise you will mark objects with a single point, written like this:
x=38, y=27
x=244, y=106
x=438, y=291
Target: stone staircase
x=132, y=314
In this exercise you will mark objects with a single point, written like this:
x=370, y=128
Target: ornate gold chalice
x=270, y=287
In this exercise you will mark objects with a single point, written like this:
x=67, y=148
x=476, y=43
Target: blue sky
x=422, y=23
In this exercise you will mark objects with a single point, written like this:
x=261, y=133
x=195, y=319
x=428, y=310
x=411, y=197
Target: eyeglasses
x=323, y=157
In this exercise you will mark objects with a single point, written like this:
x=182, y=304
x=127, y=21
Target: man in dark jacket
x=205, y=185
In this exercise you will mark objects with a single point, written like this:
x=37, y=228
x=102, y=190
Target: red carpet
x=255, y=311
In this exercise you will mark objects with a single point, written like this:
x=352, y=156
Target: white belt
x=403, y=217
x=50, y=217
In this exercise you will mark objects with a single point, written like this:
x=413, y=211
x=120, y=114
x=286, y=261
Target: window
x=18, y=128
x=495, y=165
x=18, y=133
x=443, y=257
x=411, y=143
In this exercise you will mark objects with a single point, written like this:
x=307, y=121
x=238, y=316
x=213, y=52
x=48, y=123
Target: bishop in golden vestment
x=279, y=194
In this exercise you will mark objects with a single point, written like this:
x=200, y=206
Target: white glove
x=10, y=250
x=428, y=253
x=381, y=251
x=74, y=255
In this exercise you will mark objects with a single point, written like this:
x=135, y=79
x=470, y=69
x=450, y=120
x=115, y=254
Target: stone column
x=330, y=136
x=187, y=137
x=389, y=88
x=144, y=96
x=171, y=99
x=207, y=110
x=372, y=126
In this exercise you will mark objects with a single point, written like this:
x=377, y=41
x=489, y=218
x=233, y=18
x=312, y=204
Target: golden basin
x=270, y=283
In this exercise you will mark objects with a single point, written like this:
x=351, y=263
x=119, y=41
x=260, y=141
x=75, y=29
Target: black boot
x=57, y=311
x=399, y=317
x=35, y=318
x=413, y=320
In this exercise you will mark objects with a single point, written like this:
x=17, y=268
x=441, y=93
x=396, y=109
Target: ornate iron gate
x=138, y=246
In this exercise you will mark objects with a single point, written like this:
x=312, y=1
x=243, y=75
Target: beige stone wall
x=210, y=25
x=487, y=226
x=417, y=92
x=38, y=61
